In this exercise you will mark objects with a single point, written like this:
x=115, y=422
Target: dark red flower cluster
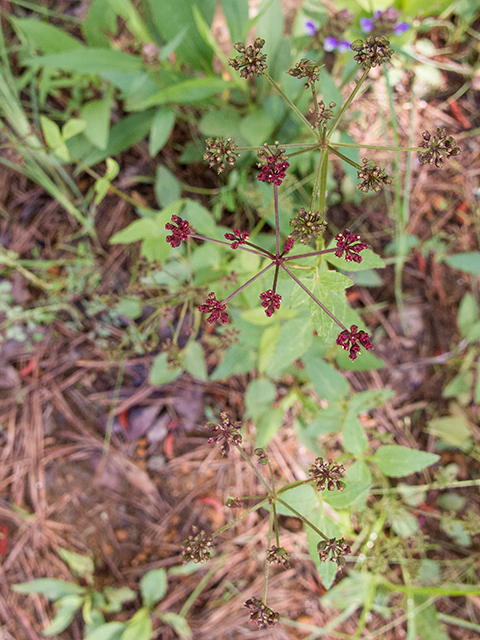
x=238, y=237
x=345, y=243
x=288, y=244
x=215, y=308
x=270, y=301
x=349, y=340
x=273, y=171
x=180, y=231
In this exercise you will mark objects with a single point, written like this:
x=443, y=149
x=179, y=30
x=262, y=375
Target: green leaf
x=303, y=498
x=83, y=566
x=167, y=188
x=468, y=261
x=137, y=230
x=268, y=344
x=259, y=397
x=130, y=307
x=354, y=438
x=194, y=360
x=326, y=570
x=396, y=461
x=429, y=572
x=96, y=114
x=366, y=400
x=427, y=625
x=224, y=122
x=468, y=317
x=51, y=132
x=126, y=10
x=162, y=127
x=294, y=340
x=67, y=607
x=187, y=92
x=119, y=595
x=46, y=37
x=270, y=25
x=153, y=586
x=236, y=15
x=453, y=430
x=327, y=381
x=352, y=492
x=51, y=588
x=99, y=23
x=370, y=260
x=257, y=127
x=92, y=60
x=178, y=623
x=73, y=127
x=236, y=360
x=351, y=592
x=267, y=426
x=160, y=374
x=107, y=631
x=139, y=627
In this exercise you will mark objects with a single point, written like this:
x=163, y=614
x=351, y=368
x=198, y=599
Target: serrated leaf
x=107, y=631
x=67, y=607
x=327, y=381
x=51, y=588
x=370, y=260
x=160, y=374
x=295, y=338
x=194, y=360
x=178, y=623
x=354, y=438
x=81, y=565
x=139, y=627
x=153, y=586
x=237, y=359
x=396, y=461
x=334, y=281
x=342, y=499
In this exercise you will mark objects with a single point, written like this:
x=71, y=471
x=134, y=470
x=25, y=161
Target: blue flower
x=366, y=24
x=400, y=28
x=384, y=22
x=330, y=44
x=310, y=28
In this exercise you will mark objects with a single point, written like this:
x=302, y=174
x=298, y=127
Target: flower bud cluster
x=333, y=549
x=327, y=474
x=251, y=62
x=306, y=69
x=436, y=147
x=227, y=433
x=220, y=152
x=260, y=614
x=372, y=177
x=372, y=52
x=349, y=340
x=307, y=225
x=197, y=546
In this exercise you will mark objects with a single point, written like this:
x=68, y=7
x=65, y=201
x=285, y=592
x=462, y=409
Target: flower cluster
x=372, y=177
x=270, y=301
x=322, y=113
x=349, y=340
x=334, y=549
x=251, y=62
x=215, y=308
x=238, y=237
x=226, y=433
x=372, y=52
x=197, y=547
x=436, y=147
x=327, y=475
x=273, y=171
x=260, y=614
x=307, y=225
x=234, y=503
x=180, y=231
x=384, y=22
x=345, y=243
x=220, y=152
x=278, y=555
x=331, y=33
x=290, y=241
x=306, y=69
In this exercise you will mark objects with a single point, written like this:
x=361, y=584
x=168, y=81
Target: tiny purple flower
x=310, y=28
x=343, y=45
x=366, y=24
x=330, y=43
x=401, y=28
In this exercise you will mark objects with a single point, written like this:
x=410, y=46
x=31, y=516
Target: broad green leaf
x=267, y=426
x=96, y=114
x=257, y=127
x=236, y=15
x=107, y=631
x=130, y=307
x=268, y=345
x=326, y=570
x=137, y=230
x=153, y=586
x=73, y=127
x=174, y=43
x=167, y=188
x=327, y=381
x=119, y=594
x=139, y=627
x=67, y=607
x=352, y=492
x=331, y=93
x=51, y=588
x=172, y=18
x=366, y=400
x=160, y=374
x=453, y=430
x=259, y=397
x=200, y=218
x=237, y=360
x=370, y=260
x=270, y=25
x=328, y=420
x=468, y=261
x=354, y=438
x=126, y=10
x=427, y=625
x=187, y=92
x=468, y=317
x=99, y=23
x=92, y=60
x=46, y=37
x=224, y=122
x=366, y=361
x=178, y=623
x=334, y=281
x=429, y=572
x=194, y=360
x=162, y=126
x=294, y=340
x=51, y=131
x=303, y=498
x=396, y=461
x=351, y=591
x=82, y=565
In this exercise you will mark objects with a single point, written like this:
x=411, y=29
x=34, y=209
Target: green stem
x=302, y=518
x=236, y=520
x=289, y=102
x=344, y=158
x=201, y=585
x=345, y=106
x=374, y=146
x=256, y=471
